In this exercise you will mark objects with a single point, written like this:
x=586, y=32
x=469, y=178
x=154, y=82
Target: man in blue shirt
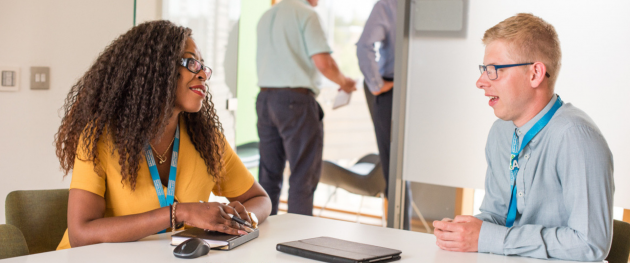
x=380, y=30
x=549, y=183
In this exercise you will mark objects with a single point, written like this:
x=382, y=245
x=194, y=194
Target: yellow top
x=193, y=181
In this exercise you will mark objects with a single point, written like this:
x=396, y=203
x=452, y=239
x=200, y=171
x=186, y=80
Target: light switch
x=40, y=78
x=9, y=79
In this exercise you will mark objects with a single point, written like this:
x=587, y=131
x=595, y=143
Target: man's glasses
x=494, y=74
x=195, y=66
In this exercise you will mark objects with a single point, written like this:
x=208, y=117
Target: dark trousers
x=290, y=128
x=381, y=112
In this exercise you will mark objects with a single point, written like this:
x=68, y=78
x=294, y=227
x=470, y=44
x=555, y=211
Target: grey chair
x=41, y=216
x=620, y=249
x=249, y=154
x=12, y=243
x=364, y=178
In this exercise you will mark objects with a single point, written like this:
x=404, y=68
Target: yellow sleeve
x=236, y=178
x=83, y=175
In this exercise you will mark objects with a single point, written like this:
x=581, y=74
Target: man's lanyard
x=155, y=175
x=511, y=216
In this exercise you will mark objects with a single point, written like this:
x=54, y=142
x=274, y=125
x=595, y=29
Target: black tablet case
x=233, y=241
x=334, y=250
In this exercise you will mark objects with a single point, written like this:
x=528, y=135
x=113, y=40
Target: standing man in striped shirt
x=380, y=29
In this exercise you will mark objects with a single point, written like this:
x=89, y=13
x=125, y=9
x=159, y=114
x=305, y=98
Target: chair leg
x=325, y=204
x=383, y=220
x=424, y=222
x=359, y=211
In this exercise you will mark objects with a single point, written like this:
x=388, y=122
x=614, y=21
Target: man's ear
x=537, y=74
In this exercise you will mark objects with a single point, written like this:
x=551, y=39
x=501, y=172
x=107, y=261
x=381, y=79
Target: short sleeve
x=314, y=37
x=236, y=179
x=84, y=176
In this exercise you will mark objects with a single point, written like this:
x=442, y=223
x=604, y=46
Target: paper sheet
x=342, y=99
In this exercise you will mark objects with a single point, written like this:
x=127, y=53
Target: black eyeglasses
x=494, y=74
x=195, y=66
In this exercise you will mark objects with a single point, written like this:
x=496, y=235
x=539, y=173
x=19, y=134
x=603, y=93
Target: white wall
x=448, y=118
x=67, y=36
x=148, y=10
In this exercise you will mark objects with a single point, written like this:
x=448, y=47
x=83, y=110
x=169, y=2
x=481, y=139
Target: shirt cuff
x=375, y=84
x=491, y=238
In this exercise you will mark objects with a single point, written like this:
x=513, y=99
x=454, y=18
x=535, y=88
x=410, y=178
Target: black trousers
x=381, y=112
x=290, y=128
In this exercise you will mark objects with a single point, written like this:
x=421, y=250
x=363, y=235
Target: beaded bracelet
x=170, y=213
x=174, y=227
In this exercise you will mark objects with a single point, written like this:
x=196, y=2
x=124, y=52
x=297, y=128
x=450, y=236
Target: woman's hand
x=240, y=210
x=209, y=216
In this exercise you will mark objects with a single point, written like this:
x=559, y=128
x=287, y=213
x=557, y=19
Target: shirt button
x=520, y=194
x=519, y=132
x=526, y=156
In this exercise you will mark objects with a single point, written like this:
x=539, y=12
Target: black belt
x=298, y=90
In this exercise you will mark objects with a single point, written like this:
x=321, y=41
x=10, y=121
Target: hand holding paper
x=342, y=99
x=349, y=85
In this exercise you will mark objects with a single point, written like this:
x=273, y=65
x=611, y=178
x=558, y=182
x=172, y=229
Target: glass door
x=214, y=24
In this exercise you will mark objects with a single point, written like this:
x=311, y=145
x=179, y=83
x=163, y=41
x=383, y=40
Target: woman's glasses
x=195, y=66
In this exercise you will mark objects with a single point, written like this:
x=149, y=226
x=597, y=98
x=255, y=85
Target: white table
x=415, y=247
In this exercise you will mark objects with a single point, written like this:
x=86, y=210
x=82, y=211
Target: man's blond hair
x=531, y=39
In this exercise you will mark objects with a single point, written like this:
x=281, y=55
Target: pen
x=240, y=221
x=245, y=224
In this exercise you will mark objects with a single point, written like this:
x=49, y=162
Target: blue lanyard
x=511, y=216
x=155, y=175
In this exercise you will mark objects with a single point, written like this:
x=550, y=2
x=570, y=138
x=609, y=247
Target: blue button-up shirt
x=564, y=186
x=380, y=27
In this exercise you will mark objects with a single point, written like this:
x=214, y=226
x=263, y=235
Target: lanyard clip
x=514, y=165
x=513, y=162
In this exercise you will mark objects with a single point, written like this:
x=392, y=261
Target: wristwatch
x=254, y=219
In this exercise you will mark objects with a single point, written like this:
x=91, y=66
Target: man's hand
x=461, y=234
x=349, y=85
x=387, y=86
x=328, y=67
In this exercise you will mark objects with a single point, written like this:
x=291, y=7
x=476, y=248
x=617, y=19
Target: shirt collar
x=525, y=128
x=305, y=2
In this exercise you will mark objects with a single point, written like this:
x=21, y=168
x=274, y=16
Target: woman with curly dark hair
x=145, y=97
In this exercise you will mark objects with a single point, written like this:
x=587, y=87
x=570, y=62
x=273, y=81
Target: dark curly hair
x=129, y=92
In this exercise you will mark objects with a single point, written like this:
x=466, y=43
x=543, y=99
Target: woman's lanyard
x=511, y=216
x=155, y=175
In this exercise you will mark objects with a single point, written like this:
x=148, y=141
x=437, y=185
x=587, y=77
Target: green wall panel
x=247, y=89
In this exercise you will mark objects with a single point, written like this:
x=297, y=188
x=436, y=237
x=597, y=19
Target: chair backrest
x=620, y=249
x=12, y=243
x=249, y=154
x=370, y=158
x=371, y=184
x=41, y=215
